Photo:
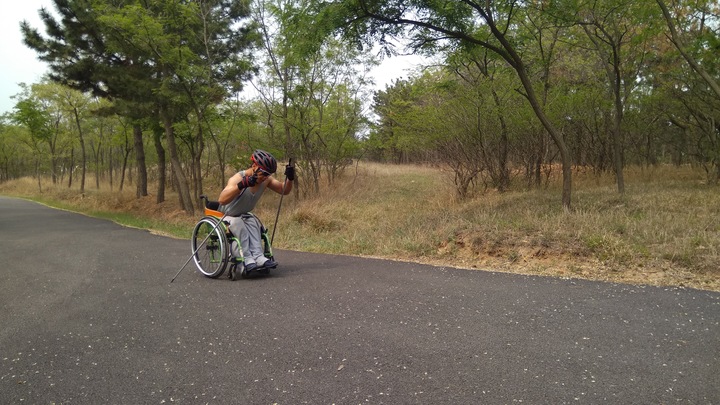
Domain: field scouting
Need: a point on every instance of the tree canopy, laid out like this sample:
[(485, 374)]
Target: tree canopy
[(520, 92)]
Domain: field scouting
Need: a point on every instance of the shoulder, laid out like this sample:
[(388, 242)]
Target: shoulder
[(236, 177)]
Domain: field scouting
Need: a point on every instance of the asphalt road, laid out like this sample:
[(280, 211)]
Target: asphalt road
[(89, 316)]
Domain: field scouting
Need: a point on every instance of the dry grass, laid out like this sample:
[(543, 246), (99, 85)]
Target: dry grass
[(664, 231)]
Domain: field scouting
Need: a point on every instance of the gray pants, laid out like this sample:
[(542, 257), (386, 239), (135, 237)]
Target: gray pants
[(247, 229)]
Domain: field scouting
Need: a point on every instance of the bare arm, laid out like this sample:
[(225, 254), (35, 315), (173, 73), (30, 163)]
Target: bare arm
[(231, 190), (277, 185)]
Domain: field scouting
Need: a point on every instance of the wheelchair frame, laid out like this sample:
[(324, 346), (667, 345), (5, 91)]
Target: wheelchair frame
[(211, 244)]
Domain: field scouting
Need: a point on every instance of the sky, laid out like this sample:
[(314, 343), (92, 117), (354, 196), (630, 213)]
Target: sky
[(19, 64)]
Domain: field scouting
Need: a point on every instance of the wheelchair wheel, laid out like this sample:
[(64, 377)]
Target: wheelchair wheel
[(210, 246)]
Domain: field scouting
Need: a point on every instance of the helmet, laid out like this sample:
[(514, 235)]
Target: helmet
[(265, 160)]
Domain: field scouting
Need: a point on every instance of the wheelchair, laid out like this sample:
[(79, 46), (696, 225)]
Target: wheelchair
[(212, 245)]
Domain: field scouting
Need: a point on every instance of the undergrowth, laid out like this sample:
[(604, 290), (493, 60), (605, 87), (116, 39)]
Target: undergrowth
[(665, 229)]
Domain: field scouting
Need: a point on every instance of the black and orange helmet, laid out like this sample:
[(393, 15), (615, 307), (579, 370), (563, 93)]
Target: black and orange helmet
[(265, 160)]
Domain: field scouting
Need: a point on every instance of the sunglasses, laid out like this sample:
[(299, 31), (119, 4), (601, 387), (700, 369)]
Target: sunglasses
[(263, 172)]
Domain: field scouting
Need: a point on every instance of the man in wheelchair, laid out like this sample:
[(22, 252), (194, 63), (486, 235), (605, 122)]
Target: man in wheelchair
[(240, 196)]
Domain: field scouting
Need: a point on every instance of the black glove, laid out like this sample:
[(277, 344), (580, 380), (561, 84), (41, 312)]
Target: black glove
[(247, 181), (290, 172)]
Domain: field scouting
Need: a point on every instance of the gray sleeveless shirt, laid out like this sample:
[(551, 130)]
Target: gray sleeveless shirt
[(243, 203)]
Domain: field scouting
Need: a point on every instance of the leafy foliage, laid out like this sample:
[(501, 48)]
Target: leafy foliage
[(518, 90)]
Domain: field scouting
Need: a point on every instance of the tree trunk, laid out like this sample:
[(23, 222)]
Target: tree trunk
[(140, 162), (614, 77), (110, 167), (182, 182), (82, 150), (554, 134), (97, 154), (197, 162), (72, 167), (37, 173), (124, 166), (504, 180), (617, 141), (157, 135), (52, 143)]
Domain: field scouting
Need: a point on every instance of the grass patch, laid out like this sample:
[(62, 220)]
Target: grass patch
[(665, 230)]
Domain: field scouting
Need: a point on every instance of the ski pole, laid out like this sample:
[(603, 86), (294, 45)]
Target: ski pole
[(272, 238)]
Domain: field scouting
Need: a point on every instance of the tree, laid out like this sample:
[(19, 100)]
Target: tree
[(703, 28), (75, 105), (13, 151), (490, 25), (479, 74), (160, 57), (78, 51), (693, 29), (621, 33), (235, 127), (312, 90), (29, 112)]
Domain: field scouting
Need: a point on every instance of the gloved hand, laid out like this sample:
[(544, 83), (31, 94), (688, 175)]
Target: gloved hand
[(247, 181), (290, 172)]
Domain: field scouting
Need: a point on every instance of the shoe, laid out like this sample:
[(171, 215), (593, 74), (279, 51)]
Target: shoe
[(250, 267), (270, 264)]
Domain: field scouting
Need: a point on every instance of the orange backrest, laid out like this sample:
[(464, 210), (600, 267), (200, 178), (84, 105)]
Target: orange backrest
[(213, 213)]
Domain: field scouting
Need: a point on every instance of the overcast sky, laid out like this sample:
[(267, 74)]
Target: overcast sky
[(19, 64)]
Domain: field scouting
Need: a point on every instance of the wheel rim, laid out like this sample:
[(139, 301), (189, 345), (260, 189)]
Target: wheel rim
[(210, 247)]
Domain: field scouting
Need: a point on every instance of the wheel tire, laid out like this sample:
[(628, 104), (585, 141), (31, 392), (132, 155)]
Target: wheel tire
[(236, 271), (210, 246)]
